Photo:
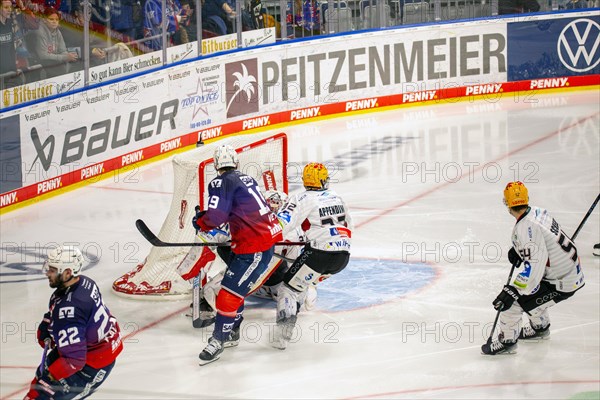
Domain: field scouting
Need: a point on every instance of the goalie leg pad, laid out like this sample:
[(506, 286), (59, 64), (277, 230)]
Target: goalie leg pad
[(197, 259), (211, 290)]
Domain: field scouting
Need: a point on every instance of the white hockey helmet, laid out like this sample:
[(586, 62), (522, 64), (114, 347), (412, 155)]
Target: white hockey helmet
[(225, 156), (275, 199), (63, 258)]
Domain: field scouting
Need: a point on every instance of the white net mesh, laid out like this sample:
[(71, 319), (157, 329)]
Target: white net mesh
[(157, 277)]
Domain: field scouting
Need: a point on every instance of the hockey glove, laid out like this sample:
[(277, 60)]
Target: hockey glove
[(43, 333), (199, 215), (513, 256), (506, 298)]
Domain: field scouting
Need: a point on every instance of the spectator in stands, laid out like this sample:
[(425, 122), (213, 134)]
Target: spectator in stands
[(153, 23), (220, 14), (121, 18), (517, 6), (48, 46), (188, 19), (575, 4), (74, 41), (24, 20), (8, 56), (39, 6)]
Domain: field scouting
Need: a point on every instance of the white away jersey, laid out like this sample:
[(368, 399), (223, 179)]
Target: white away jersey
[(547, 254), (322, 216)]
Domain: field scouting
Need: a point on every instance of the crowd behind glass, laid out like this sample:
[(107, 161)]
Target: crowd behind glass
[(42, 39)]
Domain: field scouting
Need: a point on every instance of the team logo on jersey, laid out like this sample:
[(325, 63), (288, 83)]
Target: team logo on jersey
[(66, 312), (24, 263), (578, 44), (241, 87)]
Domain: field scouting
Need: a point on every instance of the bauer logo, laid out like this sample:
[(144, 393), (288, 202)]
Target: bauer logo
[(241, 88), (91, 140), (578, 45)]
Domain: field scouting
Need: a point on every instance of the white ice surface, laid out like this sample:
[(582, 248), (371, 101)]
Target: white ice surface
[(425, 187)]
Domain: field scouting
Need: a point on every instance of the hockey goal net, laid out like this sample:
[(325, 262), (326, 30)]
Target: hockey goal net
[(262, 156)]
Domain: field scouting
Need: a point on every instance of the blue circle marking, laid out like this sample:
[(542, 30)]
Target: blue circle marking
[(367, 282), (24, 264)]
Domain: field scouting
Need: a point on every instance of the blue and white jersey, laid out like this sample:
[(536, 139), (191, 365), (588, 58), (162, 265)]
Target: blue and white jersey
[(322, 216), (547, 252), (82, 328), (236, 198)]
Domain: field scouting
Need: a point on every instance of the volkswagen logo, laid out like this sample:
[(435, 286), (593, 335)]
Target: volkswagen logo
[(578, 45)]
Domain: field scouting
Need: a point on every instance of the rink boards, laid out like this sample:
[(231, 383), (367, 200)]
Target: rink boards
[(61, 143)]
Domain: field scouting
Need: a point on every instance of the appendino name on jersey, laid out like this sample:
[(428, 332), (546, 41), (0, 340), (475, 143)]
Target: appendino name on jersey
[(331, 210)]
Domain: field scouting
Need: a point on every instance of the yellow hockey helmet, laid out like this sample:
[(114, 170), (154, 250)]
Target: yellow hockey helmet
[(315, 176), (516, 194)]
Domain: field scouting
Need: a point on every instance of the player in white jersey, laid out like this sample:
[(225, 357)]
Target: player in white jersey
[(325, 224), (551, 273)]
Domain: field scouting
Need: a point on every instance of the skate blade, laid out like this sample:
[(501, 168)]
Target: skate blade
[(504, 353), (231, 344), (535, 340), (205, 362), (279, 344)]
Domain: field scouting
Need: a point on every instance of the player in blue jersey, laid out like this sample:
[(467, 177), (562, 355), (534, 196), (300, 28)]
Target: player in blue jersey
[(235, 198), (83, 336)]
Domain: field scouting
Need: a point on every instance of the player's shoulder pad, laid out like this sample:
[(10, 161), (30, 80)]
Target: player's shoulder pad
[(216, 183), (525, 230), (303, 195), (87, 294), (327, 193)]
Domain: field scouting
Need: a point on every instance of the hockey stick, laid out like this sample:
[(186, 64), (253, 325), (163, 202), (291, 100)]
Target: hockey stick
[(586, 217), (44, 354), (516, 264), (155, 241)]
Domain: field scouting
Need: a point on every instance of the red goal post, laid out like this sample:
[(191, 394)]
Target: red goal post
[(262, 156)]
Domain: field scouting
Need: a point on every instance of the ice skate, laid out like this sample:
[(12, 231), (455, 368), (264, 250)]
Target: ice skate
[(532, 334), (498, 346), (212, 352), (233, 339)]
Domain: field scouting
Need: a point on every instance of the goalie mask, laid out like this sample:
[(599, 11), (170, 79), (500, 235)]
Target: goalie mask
[(63, 258), (516, 194), (275, 199), (315, 177), (225, 156)]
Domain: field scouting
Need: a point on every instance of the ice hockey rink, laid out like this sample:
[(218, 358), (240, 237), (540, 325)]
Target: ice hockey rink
[(407, 318)]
